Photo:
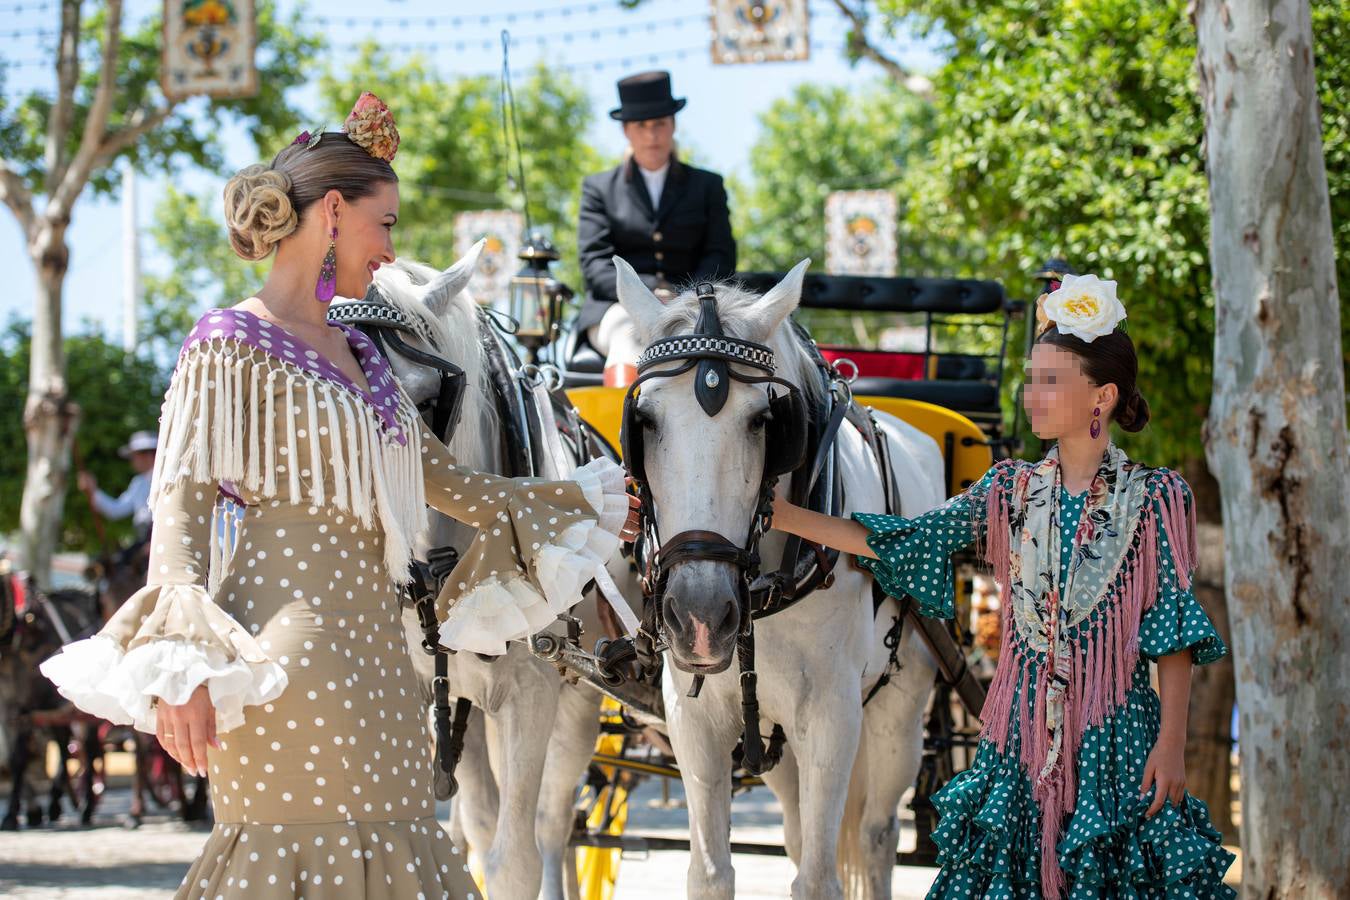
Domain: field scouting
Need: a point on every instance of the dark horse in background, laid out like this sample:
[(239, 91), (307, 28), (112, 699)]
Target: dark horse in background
[(33, 626)]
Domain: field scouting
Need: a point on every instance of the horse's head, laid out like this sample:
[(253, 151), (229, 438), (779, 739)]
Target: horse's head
[(446, 320), (704, 461), (429, 295)]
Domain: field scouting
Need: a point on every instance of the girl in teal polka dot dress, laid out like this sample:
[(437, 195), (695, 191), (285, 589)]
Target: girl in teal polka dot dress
[(1078, 788)]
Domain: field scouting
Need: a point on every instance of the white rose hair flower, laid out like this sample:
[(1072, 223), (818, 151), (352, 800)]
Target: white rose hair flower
[(1084, 306)]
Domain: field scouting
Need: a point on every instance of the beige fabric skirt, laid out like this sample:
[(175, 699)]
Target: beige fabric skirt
[(326, 791)]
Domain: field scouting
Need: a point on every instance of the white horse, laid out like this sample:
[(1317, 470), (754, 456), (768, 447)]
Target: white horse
[(816, 659), (521, 764)]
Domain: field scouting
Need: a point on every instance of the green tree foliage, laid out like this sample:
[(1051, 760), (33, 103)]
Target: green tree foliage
[(118, 393), (1331, 35), (204, 270), (186, 134), (819, 140), (1072, 128)]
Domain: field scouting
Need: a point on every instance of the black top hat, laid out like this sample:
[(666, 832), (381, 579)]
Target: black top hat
[(646, 96)]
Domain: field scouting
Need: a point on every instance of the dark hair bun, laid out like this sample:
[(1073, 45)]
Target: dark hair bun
[(1132, 414)]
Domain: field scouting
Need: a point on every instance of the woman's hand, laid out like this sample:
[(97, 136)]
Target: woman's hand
[(186, 731), (1166, 772)]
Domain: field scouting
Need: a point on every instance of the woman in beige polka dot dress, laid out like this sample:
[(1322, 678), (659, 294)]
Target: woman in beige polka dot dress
[(272, 656)]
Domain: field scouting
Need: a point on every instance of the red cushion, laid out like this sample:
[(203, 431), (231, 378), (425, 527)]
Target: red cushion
[(879, 363)]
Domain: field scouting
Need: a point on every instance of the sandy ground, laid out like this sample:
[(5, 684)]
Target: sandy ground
[(108, 862)]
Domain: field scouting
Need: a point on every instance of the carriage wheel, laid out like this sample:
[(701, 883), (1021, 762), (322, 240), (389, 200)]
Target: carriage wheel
[(938, 767)]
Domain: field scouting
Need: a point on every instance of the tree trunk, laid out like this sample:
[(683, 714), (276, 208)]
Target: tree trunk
[(1276, 441), (49, 416)]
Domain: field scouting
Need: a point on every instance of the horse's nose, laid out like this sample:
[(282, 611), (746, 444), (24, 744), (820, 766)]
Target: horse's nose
[(703, 630)]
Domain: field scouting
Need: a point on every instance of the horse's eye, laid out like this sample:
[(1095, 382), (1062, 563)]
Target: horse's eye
[(643, 420), (761, 420)]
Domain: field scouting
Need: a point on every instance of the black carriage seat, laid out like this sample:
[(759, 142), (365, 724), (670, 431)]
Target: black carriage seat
[(962, 382)]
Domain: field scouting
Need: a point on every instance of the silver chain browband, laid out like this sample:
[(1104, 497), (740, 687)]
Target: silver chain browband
[(364, 312), (730, 349)]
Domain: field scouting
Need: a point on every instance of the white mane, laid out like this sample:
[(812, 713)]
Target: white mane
[(403, 284), (736, 310)]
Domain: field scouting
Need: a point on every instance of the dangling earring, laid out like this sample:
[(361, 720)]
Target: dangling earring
[(327, 284), (1095, 429)]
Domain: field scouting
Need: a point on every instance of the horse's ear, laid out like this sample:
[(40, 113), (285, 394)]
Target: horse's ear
[(775, 306), (637, 299), (447, 285)]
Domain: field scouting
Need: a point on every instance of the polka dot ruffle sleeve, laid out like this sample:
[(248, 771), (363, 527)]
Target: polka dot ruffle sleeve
[(1177, 621), (914, 555), (539, 543), (170, 637)]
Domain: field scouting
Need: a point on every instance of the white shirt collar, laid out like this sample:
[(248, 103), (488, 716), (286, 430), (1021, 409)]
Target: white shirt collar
[(656, 182)]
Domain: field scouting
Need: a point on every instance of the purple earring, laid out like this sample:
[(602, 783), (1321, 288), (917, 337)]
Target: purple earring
[(1095, 429), (327, 284)]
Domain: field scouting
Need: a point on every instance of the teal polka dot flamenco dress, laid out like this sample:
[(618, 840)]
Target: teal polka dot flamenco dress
[(1093, 586)]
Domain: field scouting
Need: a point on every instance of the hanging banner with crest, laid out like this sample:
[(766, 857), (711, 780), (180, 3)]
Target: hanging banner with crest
[(501, 229), (208, 48), (860, 235), (757, 31)]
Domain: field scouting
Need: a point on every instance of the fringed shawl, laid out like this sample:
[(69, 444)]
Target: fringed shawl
[(258, 412), (1080, 641)]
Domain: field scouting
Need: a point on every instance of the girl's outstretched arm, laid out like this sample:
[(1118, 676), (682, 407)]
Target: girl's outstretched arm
[(845, 535)]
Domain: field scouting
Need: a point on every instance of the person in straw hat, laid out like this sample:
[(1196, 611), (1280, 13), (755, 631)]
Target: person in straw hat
[(139, 450)]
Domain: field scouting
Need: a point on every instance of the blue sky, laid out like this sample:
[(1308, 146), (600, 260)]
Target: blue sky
[(600, 41)]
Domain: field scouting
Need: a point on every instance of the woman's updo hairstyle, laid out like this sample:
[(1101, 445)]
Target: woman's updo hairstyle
[(264, 204), (1109, 359)]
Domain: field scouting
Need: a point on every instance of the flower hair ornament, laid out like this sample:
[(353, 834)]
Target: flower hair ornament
[(1084, 306), (370, 126)]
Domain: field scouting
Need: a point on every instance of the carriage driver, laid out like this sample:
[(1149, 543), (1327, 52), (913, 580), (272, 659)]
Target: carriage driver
[(135, 500), (668, 219)]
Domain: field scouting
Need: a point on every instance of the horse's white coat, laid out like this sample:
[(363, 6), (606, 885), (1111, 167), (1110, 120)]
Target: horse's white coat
[(815, 660), (524, 758)]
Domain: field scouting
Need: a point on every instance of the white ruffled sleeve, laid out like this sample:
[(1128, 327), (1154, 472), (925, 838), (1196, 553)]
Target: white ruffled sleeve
[(169, 637), (539, 544)]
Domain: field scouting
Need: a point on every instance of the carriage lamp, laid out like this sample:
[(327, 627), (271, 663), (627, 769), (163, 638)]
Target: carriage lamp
[(536, 298)]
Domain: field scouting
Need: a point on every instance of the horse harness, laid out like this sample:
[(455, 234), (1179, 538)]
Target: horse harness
[(515, 390), (790, 441), (383, 324)]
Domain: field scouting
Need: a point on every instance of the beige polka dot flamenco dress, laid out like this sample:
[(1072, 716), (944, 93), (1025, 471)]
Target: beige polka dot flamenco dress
[(322, 784)]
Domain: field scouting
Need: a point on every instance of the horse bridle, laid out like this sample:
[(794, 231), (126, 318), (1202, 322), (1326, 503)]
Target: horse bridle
[(384, 324), (712, 354)]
